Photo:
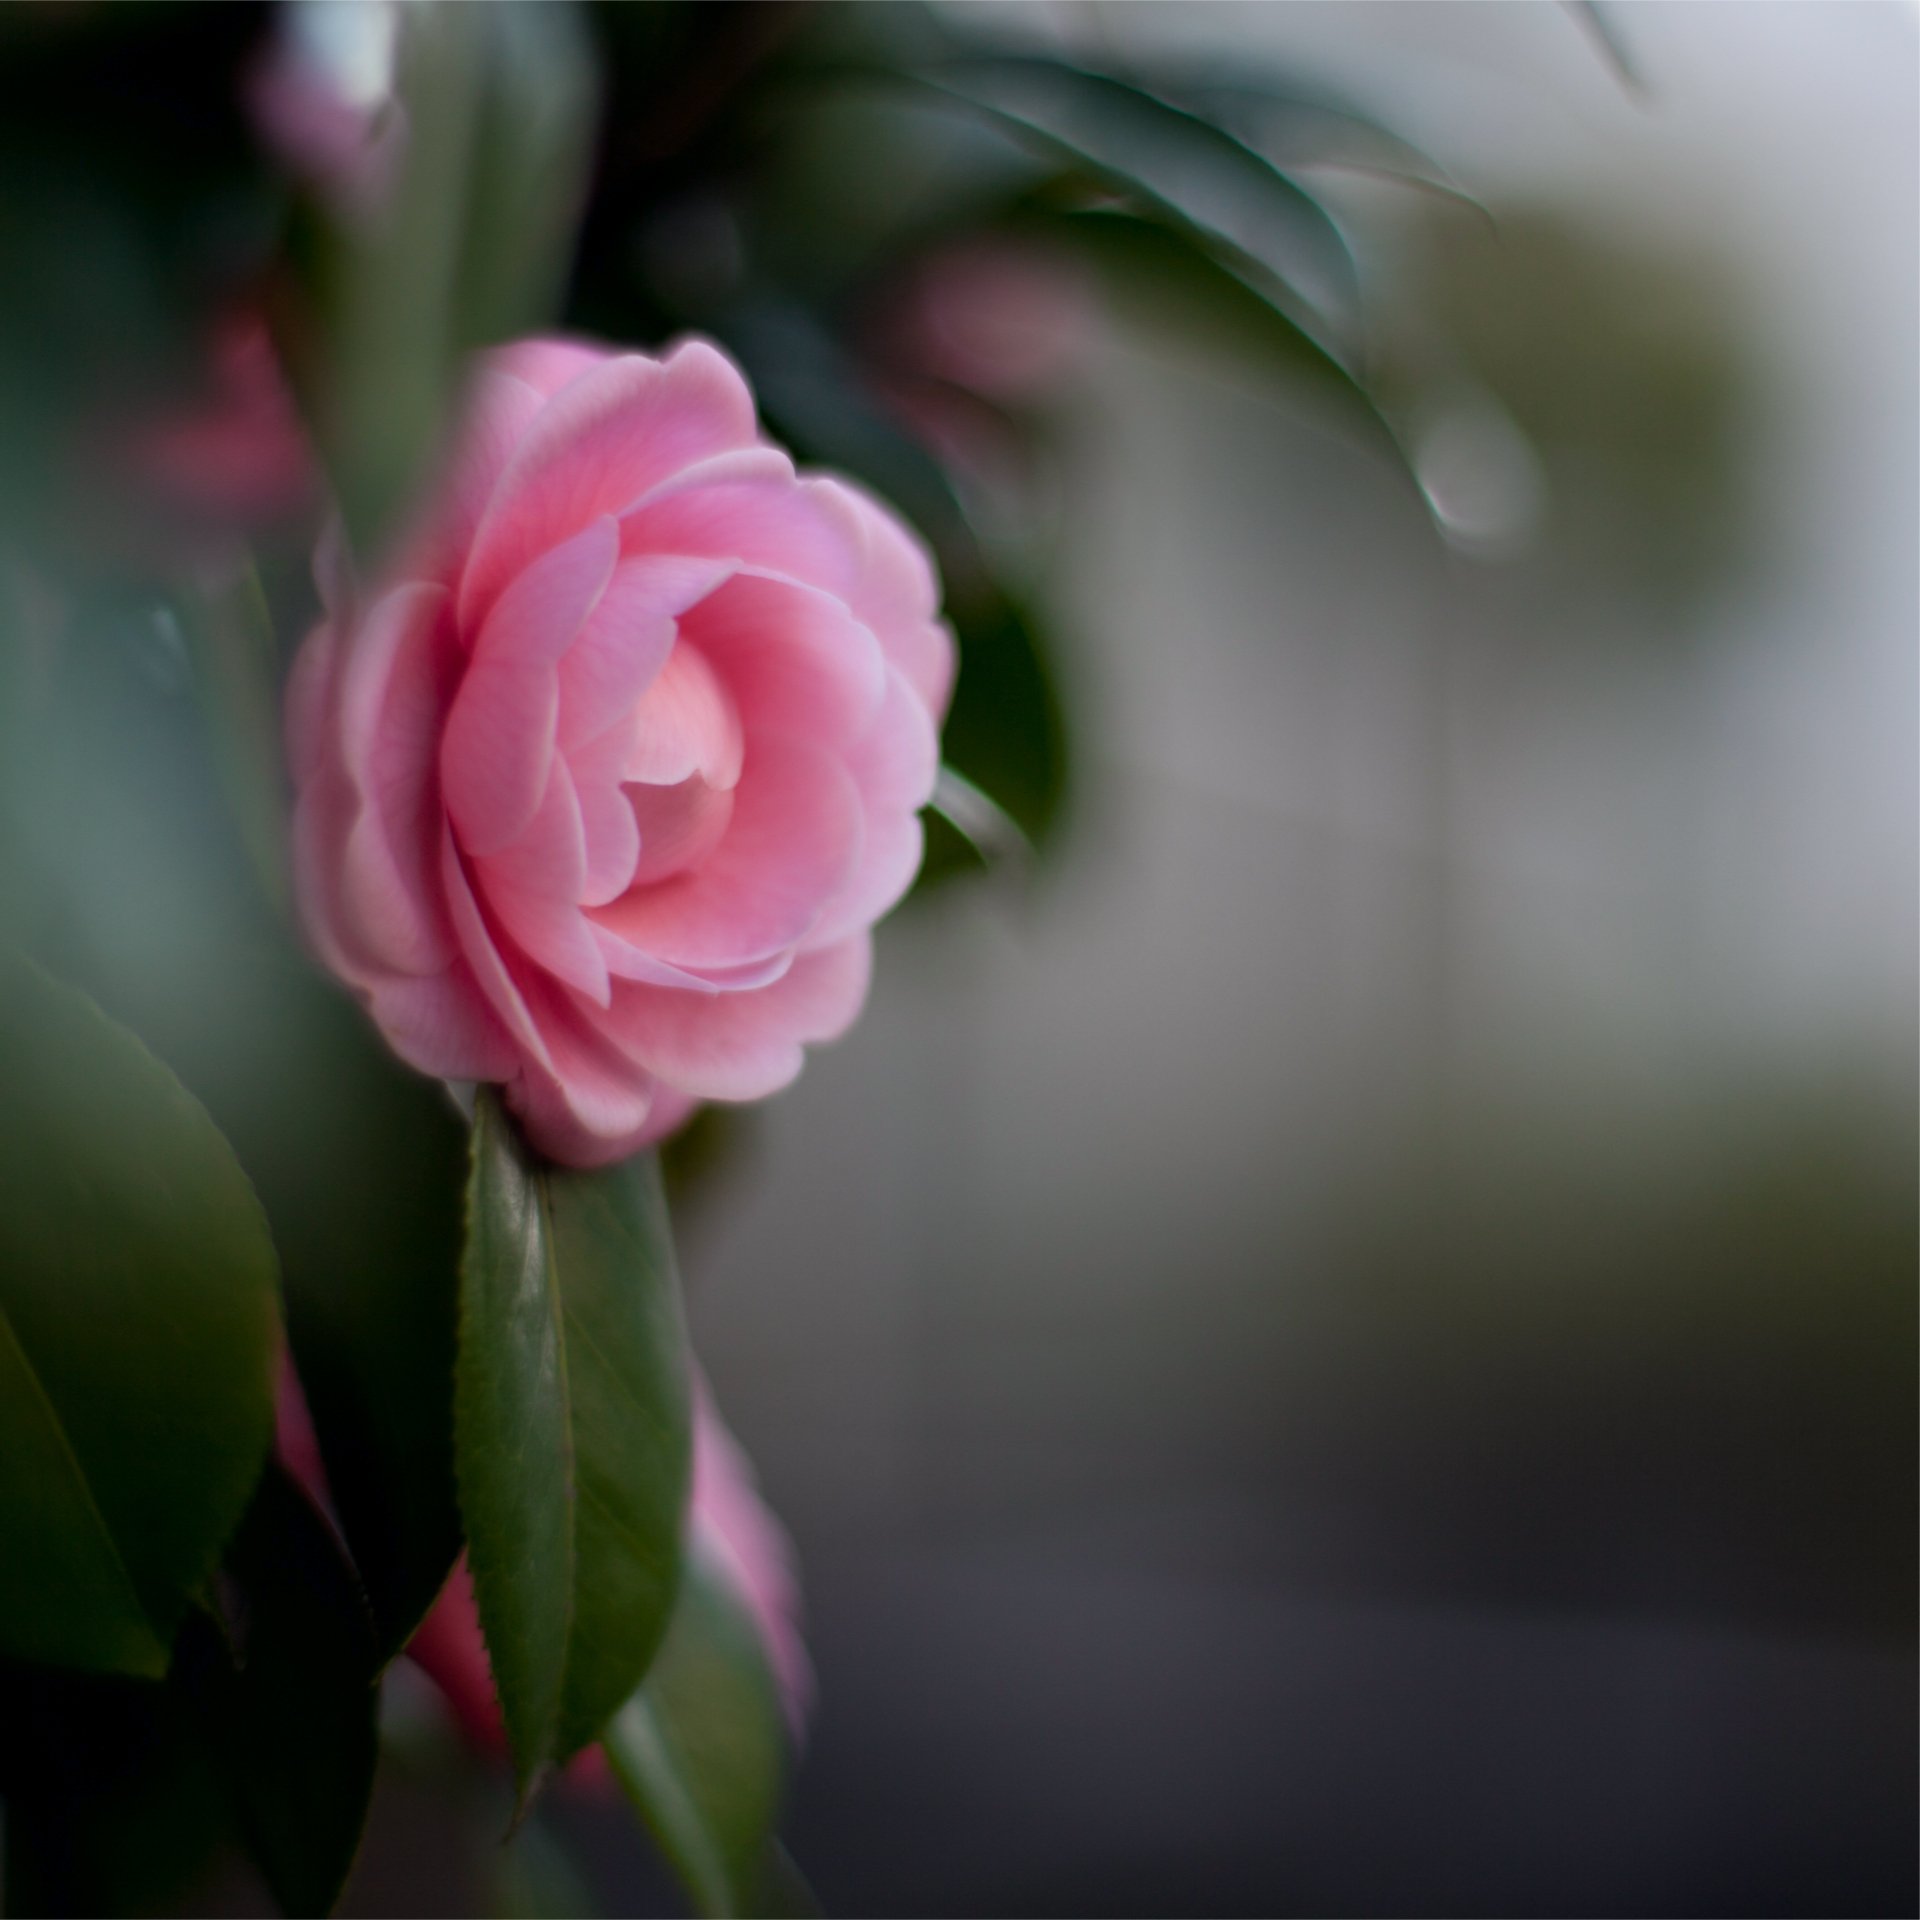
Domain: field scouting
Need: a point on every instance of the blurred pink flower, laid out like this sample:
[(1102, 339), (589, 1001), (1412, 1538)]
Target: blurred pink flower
[(197, 468), (999, 318), (602, 786)]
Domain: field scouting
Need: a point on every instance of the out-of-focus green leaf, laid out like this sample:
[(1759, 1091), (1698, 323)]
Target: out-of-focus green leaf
[(287, 1687), (701, 1749), (139, 1332), (1007, 730), (236, 670), (572, 1416), (132, 880), (1171, 273), (467, 243), (1175, 156)]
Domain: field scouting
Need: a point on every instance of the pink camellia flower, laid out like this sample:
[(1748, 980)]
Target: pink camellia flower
[(602, 786), (727, 1521)]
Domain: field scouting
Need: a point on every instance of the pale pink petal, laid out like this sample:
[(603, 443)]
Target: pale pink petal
[(742, 1046), (793, 841), (394, 686), (678, 826), (497, 753), (548, 362), (685, 724), (499, 410), (611, 834), (763, 523), (598, 445), (627, 638), (733, 1526), (484, 958), (896, 591), (894, 766), (533, 888), (441, 1024), (793, 658)]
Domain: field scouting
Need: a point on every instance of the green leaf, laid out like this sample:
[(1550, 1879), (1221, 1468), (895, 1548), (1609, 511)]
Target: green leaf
[(1175, 273), (287, 1686), (1166, 153), (132, 878), (229, 634), (139, 1333), (572, 1412), (468, 244), (701, 1750)]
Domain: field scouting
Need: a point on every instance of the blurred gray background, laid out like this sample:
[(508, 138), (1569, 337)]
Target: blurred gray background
[(1351, 1348)]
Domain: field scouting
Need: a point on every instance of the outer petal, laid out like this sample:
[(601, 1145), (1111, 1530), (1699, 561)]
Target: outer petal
[(894, 766), (897, 591), (741, 1046), (597, 446), (394, 684)]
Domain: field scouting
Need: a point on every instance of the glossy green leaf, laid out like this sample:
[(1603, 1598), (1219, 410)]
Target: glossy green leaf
[(139, 1332), (572, 1434), (701, 1749), (287, 1687)]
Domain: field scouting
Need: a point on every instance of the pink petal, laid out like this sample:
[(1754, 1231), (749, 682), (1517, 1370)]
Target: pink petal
[(484, 958), (498, 411), (793, 841), (394, 686), (589, 1106), (896, 591), (533, 888), (440, 1023), (767, 523), (678, 826), (627, 638), (548, 361), (611, 833), (598, 445), (685, 724), (729, 1522), (498, 748), (741, 1046), (793, 658)]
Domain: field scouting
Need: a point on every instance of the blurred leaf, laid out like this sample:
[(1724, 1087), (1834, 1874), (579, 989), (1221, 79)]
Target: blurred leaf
[(1007, 731), (1172, 273), (467, 245), (1169, 154), (288, 1690), (230, 640), (134, 880), (572, 1434), (139, 1332), (701, 1749)]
